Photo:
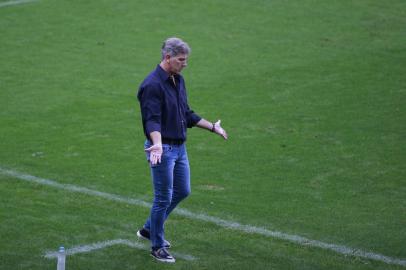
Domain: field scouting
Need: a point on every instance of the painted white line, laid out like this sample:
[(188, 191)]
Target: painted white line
[(218, 221), (73, 188), (16, 2), (100, 245)]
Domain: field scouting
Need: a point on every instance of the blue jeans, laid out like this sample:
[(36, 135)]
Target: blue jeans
[(171, 181)]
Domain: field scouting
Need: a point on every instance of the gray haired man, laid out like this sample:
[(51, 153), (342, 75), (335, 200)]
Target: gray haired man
[(166, 116)]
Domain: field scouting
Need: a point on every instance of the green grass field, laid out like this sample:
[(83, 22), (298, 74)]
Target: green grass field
[(312, 94)]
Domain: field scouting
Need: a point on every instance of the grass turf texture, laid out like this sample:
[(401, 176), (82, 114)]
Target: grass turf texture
[(312, 94)]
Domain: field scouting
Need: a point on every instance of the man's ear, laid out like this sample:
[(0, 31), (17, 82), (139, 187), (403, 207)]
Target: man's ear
[(167, 58)]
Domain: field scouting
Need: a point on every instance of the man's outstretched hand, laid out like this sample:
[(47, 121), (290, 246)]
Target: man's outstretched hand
[(219, 130)]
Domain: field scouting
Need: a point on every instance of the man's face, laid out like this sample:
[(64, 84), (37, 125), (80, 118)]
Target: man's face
[(177, 63)]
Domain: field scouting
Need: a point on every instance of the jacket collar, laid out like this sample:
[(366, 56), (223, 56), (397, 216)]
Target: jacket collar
[(163, 74)]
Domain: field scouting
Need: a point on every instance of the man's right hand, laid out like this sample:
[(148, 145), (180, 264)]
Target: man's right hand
[(155, 153)]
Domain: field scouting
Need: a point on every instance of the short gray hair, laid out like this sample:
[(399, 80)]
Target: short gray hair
[(174, 46)]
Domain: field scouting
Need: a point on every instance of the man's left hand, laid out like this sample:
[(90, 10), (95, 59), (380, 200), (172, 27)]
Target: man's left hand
[(219, 130)]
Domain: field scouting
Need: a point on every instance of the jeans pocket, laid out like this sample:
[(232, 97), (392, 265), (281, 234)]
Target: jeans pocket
[(166, 148)]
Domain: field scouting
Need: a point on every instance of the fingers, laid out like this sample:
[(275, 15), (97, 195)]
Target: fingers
[(224, 134), (152, 159), (155, 157), (155, 147), (155, 153), (219, 130)]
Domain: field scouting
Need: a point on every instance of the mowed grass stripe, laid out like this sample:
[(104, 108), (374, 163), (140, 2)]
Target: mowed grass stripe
[(14, 3), (220, 222)]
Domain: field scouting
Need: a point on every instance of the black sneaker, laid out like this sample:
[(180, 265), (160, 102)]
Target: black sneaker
[(144, 234), (162, 255)]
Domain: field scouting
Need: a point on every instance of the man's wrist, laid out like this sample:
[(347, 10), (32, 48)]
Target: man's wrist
[(213, 128)]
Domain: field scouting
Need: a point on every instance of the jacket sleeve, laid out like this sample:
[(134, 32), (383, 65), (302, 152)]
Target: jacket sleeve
[(191, 117), (150, 98)]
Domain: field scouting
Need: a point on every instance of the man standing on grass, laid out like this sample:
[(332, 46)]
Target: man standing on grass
[(165, 117)]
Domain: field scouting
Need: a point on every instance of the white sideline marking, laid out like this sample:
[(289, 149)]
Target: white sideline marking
[(16, 2), (109, 243), (218, 221)]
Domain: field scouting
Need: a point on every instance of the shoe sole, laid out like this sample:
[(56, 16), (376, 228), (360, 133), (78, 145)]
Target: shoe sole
[(140, 236), (164, 260)]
